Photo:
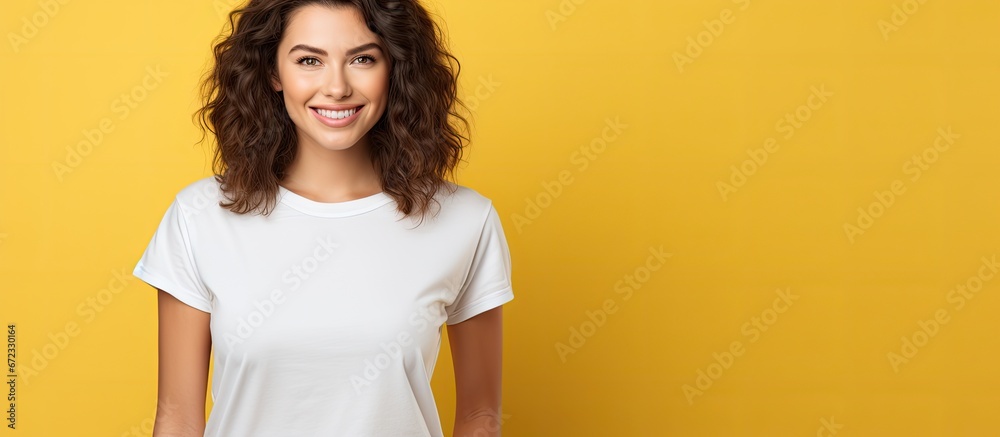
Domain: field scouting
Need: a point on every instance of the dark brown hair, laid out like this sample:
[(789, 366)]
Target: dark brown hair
[(414, 146)]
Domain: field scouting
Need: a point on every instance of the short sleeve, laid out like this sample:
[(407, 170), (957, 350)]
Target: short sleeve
[(168, 262), (488, 283)]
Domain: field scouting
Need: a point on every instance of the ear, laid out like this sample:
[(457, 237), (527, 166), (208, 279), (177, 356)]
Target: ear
[(275, 83)]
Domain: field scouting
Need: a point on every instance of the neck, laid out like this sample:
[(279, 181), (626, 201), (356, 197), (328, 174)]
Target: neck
[(326, 175)]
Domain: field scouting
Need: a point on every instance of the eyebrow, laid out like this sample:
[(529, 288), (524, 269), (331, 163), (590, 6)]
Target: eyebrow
[(322, 52)]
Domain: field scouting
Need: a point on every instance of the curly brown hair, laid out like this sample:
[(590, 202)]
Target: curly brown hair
[(414, 146)]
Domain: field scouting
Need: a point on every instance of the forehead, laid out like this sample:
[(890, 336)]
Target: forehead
[(327, 27)]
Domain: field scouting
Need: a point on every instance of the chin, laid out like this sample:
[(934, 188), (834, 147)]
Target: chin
[(337, 143)]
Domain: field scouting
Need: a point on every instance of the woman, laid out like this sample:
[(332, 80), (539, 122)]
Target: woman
[(323, 256)]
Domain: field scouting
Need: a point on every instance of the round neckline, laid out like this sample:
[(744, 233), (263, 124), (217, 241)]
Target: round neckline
[(346, 208)]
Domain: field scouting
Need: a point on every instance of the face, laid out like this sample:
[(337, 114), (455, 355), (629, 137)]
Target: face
[(329, 63)]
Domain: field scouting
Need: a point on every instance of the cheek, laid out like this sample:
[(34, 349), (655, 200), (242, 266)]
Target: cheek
[(374, 86), (299, 87), (295, 84)]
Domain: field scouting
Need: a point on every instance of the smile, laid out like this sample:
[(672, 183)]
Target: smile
[(336, 118), (337, 115)]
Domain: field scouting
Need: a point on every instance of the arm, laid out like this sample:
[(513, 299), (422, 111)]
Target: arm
[(476, 349), (184, 352)]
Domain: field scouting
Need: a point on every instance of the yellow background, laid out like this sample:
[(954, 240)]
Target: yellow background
[(560, 70)]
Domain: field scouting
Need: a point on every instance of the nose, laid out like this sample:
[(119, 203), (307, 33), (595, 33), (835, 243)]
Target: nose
[(336, 84)]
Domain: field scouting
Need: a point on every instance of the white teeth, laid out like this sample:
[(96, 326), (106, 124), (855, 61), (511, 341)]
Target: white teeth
[(337, 115)]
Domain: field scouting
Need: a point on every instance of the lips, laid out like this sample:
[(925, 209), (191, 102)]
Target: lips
[(337, 108), (337, 122)]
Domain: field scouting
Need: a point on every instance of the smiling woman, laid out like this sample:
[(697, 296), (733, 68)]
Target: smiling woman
[(299, 65), (342, 88), (324, 311)]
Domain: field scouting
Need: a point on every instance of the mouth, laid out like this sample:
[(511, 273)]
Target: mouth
[(336, 115)]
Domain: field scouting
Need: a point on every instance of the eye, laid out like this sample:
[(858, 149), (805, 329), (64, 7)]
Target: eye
[(371, 59), (304, 58)]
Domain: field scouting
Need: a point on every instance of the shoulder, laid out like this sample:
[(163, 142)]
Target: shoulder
[(462, 200), (199, 195)]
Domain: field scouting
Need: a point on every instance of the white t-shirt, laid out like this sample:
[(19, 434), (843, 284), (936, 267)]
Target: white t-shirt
[(326, 318)]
